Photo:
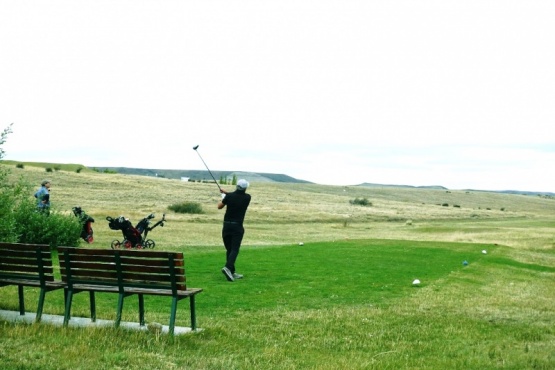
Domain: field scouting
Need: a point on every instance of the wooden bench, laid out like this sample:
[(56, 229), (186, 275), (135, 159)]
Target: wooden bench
[(28, 265), (126, 273)]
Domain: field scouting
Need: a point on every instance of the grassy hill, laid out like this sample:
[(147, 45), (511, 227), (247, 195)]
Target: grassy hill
[(193, 175), (290, 212), (204, 176), (199, 175)]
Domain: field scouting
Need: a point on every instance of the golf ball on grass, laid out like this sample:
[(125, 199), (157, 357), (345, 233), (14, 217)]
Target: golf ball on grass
[(301, 243), (484, 251), (416, 282)]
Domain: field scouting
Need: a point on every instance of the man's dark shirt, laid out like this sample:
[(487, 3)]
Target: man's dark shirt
[(237, 203)]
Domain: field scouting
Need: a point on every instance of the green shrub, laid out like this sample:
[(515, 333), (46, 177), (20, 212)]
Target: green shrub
[(186, 207), (20, 165), (48, 169), (20, 222), (79, 169), (54, 229), (12, 197), (361, 202)]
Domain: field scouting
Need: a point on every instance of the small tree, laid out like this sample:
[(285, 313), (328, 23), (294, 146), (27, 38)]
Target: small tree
[(3, 137), (20, 222)]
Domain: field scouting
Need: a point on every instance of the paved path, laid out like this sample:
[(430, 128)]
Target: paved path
[(29, 317)]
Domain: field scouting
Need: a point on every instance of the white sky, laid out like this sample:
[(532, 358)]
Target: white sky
[(415, 92)]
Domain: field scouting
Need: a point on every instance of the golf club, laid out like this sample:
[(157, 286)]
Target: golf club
[(205, 165)]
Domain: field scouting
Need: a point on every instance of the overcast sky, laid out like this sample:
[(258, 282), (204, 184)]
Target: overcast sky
[(452, 93)]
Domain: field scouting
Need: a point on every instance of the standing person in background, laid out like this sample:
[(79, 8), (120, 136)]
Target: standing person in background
[(237, 203), (43, 196)]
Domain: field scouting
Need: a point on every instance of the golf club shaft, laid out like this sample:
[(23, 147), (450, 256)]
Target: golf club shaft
[(210, 172)]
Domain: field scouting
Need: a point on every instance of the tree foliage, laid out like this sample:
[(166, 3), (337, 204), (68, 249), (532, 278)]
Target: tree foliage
[(20, 221)]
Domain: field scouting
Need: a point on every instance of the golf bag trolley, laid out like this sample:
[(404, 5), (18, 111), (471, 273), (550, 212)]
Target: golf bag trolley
[(86, 221), (134, 237)]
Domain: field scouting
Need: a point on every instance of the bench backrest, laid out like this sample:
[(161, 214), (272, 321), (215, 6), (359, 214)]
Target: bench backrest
[(122, 268), (26, 261)]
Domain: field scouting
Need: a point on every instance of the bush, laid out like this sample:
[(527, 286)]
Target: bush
[(361, 202), (12, 197), (186, 207), (20, 222), (48, 169), (20, 165), (54, 229)]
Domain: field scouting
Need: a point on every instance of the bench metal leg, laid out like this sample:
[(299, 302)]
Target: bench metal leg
[(92, 301), (120, 309), (21, 300), (41, 304), (67, 312), (172, 315), (141, 310), (193, 313)]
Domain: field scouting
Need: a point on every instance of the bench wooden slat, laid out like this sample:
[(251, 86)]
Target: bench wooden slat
[(124, 252), (124, 260), (26, 269), (26, 277), (145, 269), (31, 283), (132, 290)]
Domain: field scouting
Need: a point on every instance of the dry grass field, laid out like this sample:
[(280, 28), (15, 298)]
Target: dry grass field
[(282, 213)]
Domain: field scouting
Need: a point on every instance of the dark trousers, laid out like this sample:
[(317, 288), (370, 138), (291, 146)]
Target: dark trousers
[(232, 235)]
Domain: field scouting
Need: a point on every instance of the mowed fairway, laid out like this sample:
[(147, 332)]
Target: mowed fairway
[(343, 300)]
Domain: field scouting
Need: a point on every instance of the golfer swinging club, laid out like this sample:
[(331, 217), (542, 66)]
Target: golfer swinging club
[(237, 203)]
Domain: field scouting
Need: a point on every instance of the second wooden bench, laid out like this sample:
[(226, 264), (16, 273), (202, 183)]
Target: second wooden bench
[(126, 273)]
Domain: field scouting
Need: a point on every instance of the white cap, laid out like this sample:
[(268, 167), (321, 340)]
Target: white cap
[(242, 184)]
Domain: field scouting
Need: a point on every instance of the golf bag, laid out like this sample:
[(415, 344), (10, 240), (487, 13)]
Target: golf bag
[(86, 221), (134, 237)]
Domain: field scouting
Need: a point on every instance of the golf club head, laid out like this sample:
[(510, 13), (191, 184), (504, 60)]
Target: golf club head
[(195, 147)]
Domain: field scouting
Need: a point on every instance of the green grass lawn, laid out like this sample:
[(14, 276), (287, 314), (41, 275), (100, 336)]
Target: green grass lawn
[(333, 305), (318, 275)]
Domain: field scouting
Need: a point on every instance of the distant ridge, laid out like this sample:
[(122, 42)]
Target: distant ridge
[(439, 187), (371, 185), (199, 175), (520, 192)]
